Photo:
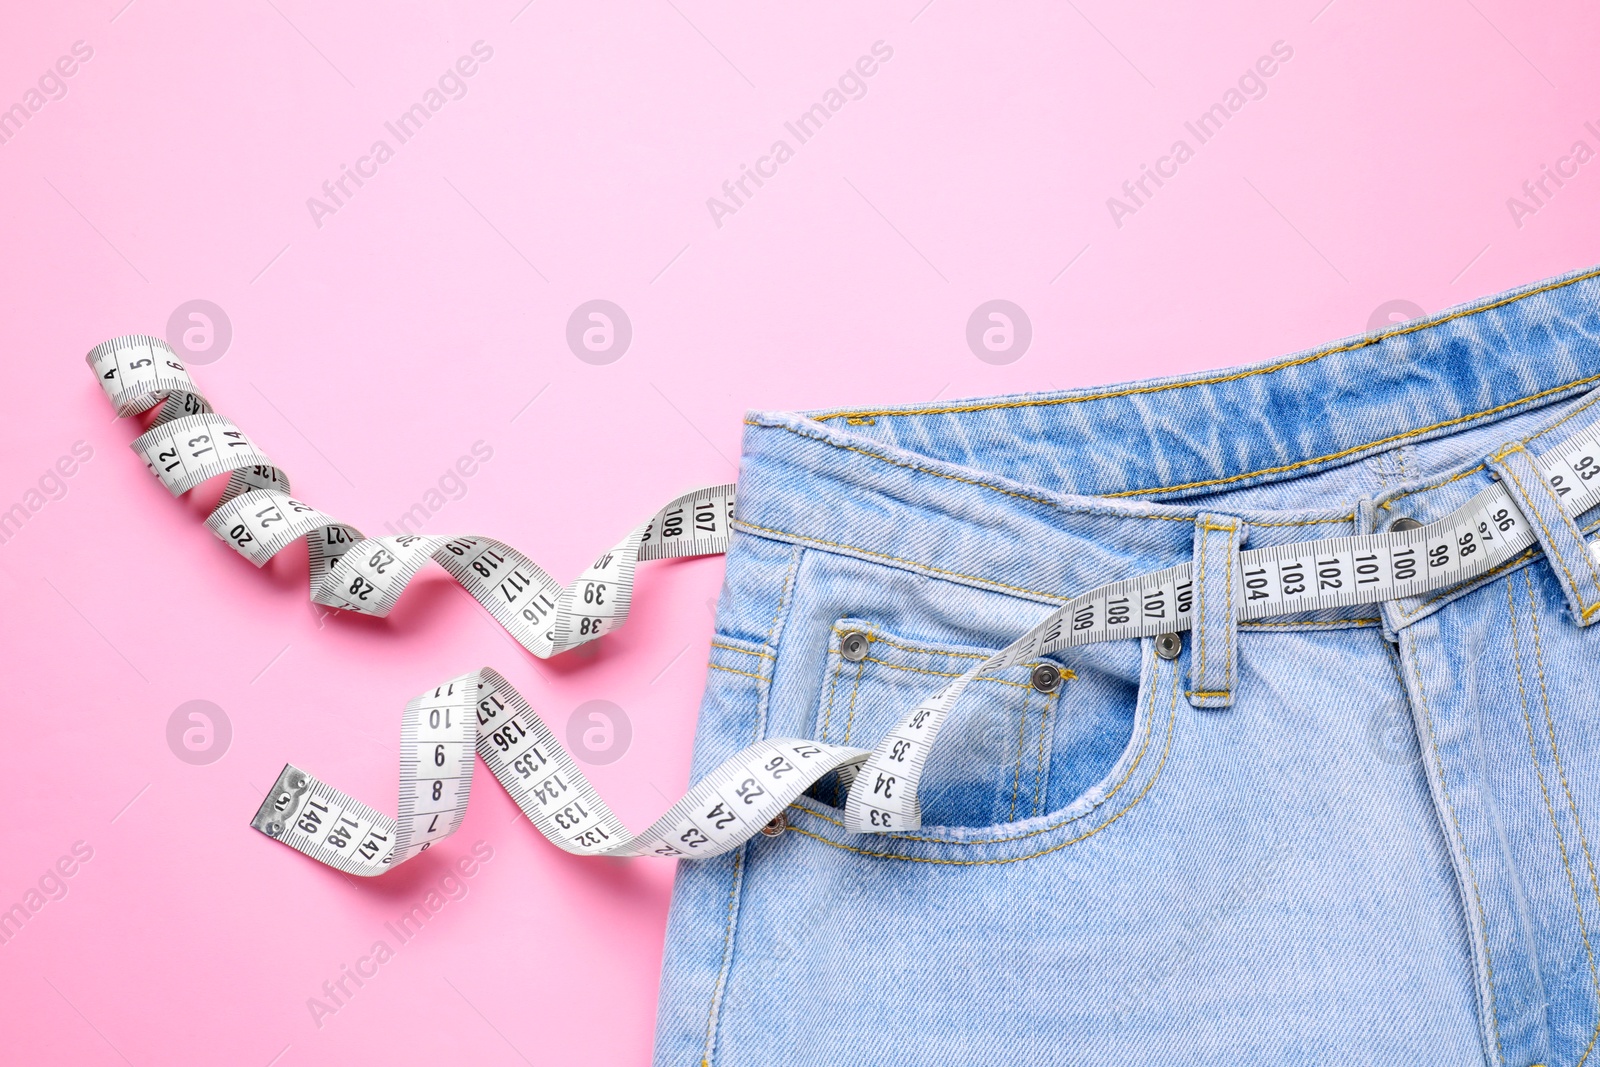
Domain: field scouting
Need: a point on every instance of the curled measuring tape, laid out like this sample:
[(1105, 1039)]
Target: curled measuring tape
[(438, 733), (187, 443)]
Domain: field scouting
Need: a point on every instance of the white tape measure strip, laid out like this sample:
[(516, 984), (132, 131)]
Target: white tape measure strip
[(438, 733), (1303, 576), (188, 443)]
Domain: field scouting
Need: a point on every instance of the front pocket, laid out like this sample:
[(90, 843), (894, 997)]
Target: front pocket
[(992, 760)]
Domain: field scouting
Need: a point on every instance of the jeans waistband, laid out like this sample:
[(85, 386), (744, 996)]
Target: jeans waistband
[(1048, 494)]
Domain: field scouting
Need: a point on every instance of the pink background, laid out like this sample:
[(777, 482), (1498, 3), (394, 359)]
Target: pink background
[(421, 317)]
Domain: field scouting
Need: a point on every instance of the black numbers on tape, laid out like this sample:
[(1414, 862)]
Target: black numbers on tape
[(1292, 577), (507, 737), (1404, 563), (1256, 583)]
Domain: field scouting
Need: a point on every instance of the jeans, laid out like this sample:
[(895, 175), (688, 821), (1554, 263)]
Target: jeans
[(1360, 836)]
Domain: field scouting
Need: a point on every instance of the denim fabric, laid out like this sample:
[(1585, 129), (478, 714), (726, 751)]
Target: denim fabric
[(1382, 852)]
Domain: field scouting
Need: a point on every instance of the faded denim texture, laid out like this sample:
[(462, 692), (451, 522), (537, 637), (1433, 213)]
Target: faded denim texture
[(1364, 836)]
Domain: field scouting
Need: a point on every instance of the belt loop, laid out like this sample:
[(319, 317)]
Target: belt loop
[(1563, 543), (1213, 670)]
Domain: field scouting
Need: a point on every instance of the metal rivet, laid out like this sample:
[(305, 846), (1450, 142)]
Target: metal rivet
[(1046, 677), (778, 825), (274, 829), (1169, 645), (1403, 524), (853, 646)]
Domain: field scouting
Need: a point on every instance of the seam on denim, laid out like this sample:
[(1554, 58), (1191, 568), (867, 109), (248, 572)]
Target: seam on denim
[(950, 674), (1271, 368), (746, 651), (1348, 452), (1572, 527), (1022, 742), (730, 670), (1307, 522), (939, 650), (713, 1014), (1039, 765), (783, 598), (1471, 586), (1566, 788), (1346, 623), (1231, 665), (898, 559), (1199, 675), (1144, 743), (873, 637), (833, 686), (1572, 583), (727, 958), (1057, 505), (1574, 413), (1172, 723), (1477, 894), (1207, 692), (1469, 472), (1544, 789), (855, 689)]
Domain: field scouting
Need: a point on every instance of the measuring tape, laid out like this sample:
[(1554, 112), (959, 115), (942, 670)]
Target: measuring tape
[(188, 443)]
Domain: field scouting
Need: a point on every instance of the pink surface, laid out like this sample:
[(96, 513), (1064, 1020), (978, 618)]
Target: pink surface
[(375, 343)]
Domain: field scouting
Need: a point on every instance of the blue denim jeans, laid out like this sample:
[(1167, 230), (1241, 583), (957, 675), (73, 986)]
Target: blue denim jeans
[(1365, 836)]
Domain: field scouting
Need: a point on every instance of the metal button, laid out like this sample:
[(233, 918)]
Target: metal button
[(778, 825), (1046, 677), (1169, 645), (1403, 524), (853, 646)]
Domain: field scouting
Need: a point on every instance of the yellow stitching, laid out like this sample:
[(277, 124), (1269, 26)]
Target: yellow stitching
[(1307, 522), (952, 674), (1550, 726), (934, 650), (788, 584), (746, 651), (1477, 894), (1207, 693), (1200, 591), (1550, 809), (730, 670), (1358, 448), (1144, 743), (1472, 585), (1186, 485), (1424, 488), (1271, 368), (1038, 772), (1308, 622), (855, 689), (1022, 739), (727, 938), (833, 685), (1172, 723), (1574, 413), (1227, 627), (1562, 511), (893, 462), (1572, 583), (910, 563)]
